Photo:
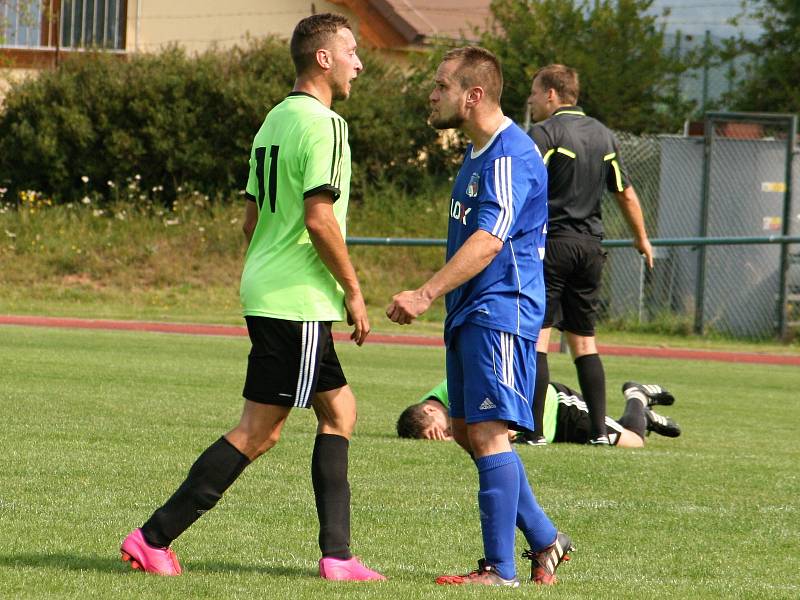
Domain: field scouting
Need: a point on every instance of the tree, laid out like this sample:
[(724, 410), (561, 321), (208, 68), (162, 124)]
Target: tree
[(628, 78), (771, 82)]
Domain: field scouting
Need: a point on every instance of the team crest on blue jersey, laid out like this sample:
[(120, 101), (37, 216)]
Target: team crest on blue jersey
[(472, 186)]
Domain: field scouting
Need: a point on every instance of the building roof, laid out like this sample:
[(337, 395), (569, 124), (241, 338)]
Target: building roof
[(397, 23)]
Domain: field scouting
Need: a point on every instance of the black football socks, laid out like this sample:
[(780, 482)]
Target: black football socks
[(332, 494), (211, 474), (540, 393), (592, 380), (634, 417)]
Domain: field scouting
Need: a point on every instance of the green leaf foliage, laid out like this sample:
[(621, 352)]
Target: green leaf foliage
[(771, 82), (628, 79), (170, 118), (181, 121)]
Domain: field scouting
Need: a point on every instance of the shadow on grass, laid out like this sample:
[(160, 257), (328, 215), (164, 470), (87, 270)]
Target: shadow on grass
[(104, 564)]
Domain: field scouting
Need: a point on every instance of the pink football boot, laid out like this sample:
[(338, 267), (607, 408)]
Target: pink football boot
[(144, 557), (337, 569)]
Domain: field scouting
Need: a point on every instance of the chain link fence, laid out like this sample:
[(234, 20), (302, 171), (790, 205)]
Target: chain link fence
[(741, 286), (726, 237)]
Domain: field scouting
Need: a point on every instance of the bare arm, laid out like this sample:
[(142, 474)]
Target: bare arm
[(323, 229), (632, 210), (472, 258), (250, 220)]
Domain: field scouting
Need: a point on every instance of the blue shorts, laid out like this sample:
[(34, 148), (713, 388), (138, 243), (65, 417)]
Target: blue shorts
[(490, 376)]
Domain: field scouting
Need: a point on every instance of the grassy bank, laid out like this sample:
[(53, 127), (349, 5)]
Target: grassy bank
[(144, 261)]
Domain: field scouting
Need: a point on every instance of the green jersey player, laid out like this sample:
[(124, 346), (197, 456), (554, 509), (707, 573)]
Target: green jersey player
[(297, 279)]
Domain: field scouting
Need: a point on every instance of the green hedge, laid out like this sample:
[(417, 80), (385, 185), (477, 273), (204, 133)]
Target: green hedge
[(181, 122)]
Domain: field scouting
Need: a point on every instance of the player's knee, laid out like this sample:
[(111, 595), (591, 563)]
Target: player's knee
[(270, 441), (338, 422), (344, 425), (253, 444)]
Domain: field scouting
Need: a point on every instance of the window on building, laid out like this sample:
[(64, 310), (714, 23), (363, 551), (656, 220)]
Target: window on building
[(20, 24), (92, 23), (77, 23)]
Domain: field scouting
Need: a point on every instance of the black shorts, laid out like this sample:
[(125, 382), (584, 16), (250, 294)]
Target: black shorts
[(573, 265), (289, 361), (573, 425)]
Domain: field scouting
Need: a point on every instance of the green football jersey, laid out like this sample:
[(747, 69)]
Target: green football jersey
[(300, 150), (439, 392)]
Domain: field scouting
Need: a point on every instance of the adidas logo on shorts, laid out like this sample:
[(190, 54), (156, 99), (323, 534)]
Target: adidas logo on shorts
[(487, 405)]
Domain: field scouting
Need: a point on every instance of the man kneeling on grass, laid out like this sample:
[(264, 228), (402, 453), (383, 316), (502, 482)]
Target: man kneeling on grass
[(566, 417)]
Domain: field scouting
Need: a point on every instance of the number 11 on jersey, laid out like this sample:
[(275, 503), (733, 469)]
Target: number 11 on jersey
[(272, 183)]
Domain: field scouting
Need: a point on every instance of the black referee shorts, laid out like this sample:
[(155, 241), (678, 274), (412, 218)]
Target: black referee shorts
[(289, 361), (573, 266)]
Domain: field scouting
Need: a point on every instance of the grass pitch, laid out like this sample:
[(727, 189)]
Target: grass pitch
[(100, 427)]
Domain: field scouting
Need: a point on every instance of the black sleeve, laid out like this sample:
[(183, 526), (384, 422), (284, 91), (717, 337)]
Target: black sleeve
[(542, 139), (321, 189)]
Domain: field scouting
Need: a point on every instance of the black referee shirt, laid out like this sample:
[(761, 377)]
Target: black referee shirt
[(582, 158)]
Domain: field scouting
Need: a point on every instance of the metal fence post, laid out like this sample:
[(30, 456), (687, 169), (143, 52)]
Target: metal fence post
[(700, 286), (791, 135)]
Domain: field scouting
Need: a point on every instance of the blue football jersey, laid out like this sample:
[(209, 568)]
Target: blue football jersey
[(501, 189)]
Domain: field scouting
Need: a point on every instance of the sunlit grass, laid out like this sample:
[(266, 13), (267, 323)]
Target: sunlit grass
[(100, 427)]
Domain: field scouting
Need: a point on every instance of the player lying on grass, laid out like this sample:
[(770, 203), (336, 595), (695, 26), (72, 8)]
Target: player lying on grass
[(566, 416)]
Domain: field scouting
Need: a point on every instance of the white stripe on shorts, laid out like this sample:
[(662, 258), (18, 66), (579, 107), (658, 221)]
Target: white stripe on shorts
[(507, 354), (308, 357)]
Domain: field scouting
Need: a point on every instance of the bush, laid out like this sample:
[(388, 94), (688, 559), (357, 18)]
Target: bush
[(188, 122), (168, 117)]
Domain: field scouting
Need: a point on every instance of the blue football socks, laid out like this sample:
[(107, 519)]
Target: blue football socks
[(497, 500), (535, 525)]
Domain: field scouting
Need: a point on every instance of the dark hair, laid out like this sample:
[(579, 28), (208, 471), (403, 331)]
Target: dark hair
[(412, 421), (562, 79), (311, 34), (479, 67)]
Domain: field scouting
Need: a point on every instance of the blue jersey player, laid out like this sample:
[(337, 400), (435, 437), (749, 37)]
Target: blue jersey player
[(495, 304)]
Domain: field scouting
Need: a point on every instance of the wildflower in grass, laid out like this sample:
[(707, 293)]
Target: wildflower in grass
[(86, 200), (169, 222), (98, 212), (11, 234), (84, 178), (110, 183), (137, 177)]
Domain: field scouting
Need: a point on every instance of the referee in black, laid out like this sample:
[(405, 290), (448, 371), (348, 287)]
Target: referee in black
[(582, 158)]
